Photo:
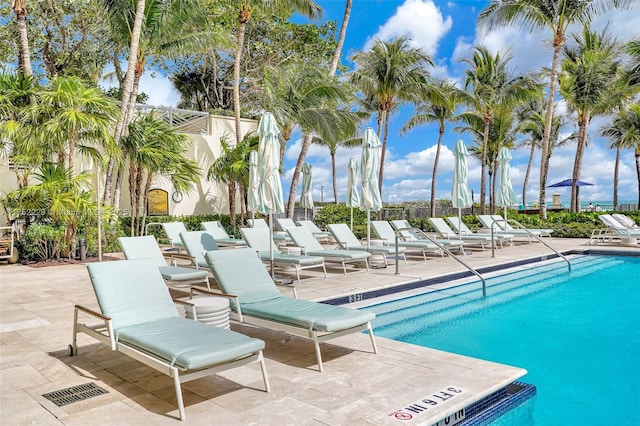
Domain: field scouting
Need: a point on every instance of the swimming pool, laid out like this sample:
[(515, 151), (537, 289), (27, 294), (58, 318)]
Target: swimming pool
[(576, 334)]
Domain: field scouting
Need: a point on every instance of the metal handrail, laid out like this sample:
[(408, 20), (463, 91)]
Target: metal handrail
[(531, 234), (398, 232)]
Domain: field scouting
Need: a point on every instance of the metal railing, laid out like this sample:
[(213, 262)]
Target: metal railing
[(184, 120), (443, 248), (529, 233)]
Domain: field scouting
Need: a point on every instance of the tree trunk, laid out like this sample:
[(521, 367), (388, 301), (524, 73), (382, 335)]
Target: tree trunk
[(20, 9), (435, 170), (493, 177), (637, 155), (583, 122), (306, 143), (242, 25), (333, 177), (526, 175), (383, 150), (232, 203), (145, 199), (72, 148), (341, 37), (483, 170), (558, 42), (615, 177), (126, 94)]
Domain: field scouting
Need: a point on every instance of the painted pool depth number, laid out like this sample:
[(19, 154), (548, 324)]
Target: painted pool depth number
[(355, 297), (428, 403)]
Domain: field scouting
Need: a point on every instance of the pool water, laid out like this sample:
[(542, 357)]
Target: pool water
[(576, 334)]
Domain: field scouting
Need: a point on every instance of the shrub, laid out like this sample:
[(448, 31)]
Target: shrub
[(42, 242)]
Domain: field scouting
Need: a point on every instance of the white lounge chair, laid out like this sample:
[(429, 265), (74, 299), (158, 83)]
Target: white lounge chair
[(444, 231), (626, 235), (348, 241), (304, 239), (410, 235), (146, 247), (256, 300), (172, 230), (322, 236), (220, 234), (625, 220), (196, 243), (138, 318), (498, 226), (260, 240), (544, 232), (280, 237), (385, 232), (463, 229)]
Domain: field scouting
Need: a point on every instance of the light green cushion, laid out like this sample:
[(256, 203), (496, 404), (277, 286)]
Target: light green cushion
[(345, 254), (145, 247), (176, 273), (292, 259)]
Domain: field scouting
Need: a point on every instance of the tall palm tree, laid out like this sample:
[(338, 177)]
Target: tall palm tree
[(493, 86), (388, 75), (593, 82), (247, 7), (343, 33), (439, 106), (633, 49), (24, 57), (333, 146), (624, 132), (557, 16)]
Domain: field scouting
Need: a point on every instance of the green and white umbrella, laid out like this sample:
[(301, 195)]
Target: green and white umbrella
[(306, 199), (369, 167), (253, 192), (353, 197), (506, 195), (269, 186), (460, 195)]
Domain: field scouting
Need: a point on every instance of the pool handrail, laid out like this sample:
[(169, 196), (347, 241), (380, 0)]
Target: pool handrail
[(422, 234), (521, 226)]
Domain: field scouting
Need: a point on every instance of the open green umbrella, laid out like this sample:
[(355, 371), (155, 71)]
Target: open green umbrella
[(353, 198), (306, 200), (253, 192), (269, 186), (460, 195), (506, 195), (369, 167)]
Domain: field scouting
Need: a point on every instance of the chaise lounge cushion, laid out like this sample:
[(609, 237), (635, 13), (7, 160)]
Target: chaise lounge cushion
[(188, 344), (177, 273)]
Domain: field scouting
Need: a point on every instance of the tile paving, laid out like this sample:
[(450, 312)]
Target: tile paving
[(356, 388)]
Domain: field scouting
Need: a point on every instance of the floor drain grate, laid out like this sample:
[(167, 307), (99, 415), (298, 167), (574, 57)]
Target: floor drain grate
[(74, 394)]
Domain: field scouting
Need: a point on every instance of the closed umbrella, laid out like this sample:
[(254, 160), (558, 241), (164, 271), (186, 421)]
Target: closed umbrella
[(306, 200), (253, 192), (506, 195), (353, 198), (369, 166), (269, 186), (460, 195)]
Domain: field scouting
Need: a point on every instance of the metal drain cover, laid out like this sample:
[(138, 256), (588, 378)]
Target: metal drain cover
[(74, 394)]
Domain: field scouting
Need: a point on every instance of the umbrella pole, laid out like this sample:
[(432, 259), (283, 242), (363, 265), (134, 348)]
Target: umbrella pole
[(368, 229), (352, 218), (271, 245), (305, 213), (459, 222)]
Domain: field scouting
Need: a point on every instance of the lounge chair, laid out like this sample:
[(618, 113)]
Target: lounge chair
[(322, 236), (348, 241), (411, 235), (544, 232), (385, 232), (139, 319), (279, 237), (285, 223), (146, 247), (220, 234), (625, 220), (444, 231), (488, 221), (172, 230), (463, 229), (304, 239), (196, 243), (628, 236), (260, 240), (256, 300)]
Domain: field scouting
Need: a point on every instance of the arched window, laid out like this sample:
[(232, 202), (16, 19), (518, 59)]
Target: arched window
[(158, 202)]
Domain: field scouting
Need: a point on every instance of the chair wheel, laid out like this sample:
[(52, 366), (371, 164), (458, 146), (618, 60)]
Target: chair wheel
[(71, 351)]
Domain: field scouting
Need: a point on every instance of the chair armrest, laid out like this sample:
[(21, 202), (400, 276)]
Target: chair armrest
[(233, 297), (92, 312)]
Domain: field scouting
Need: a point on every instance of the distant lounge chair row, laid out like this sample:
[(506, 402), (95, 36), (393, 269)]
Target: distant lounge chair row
[(619, 229)]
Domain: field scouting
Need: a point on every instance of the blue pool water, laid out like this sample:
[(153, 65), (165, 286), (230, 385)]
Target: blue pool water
[(576, 334)]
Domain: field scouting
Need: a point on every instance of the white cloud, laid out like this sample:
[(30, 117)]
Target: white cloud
[(158, 88), (421, 20)]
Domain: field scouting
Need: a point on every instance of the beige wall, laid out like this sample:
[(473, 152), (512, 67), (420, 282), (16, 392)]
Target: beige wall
[(207, 198)]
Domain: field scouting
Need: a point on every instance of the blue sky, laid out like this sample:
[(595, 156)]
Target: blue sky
[(447, 31)]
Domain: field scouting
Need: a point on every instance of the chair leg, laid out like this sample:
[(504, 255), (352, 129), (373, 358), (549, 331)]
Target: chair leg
[(344, 267), (176, 383), (318, 354), (324, 269), (208, 284), (373, 339), (263, 367)]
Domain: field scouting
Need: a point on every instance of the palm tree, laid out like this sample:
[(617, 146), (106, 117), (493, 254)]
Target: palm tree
[(333, 146), (593, 82), (24, 57), (388, 75), (557, 16), (439, 106), (624, 132), (343, 33), (493, 86), (633, 49), (76, 117), (247, 7), (153, 148)]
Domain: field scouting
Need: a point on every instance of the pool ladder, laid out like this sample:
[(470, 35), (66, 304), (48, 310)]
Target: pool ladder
[(531, 234), (443, 248)]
